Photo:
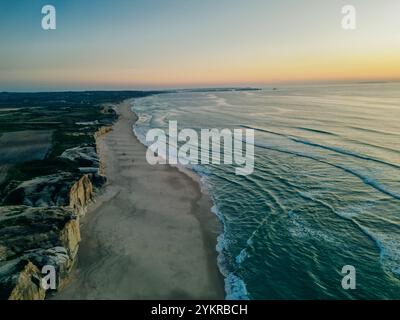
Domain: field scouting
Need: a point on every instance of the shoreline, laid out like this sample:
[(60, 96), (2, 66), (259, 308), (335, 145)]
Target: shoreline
[(133, 248)]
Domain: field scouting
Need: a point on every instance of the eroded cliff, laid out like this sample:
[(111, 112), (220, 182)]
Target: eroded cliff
[(39, 224), (32, 238)]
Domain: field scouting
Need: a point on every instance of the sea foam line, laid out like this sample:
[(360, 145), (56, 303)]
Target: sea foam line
[(235, 287), (388, 245), (365, 179)]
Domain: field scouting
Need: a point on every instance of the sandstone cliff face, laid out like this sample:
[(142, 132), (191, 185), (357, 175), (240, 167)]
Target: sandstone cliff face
[(83, 191), (32, 238), (102, 131), (27, 284), (25, 228), (21, 277), (70, 236), (81, 195)]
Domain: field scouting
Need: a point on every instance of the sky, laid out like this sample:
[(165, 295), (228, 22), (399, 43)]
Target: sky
[(145, 44)]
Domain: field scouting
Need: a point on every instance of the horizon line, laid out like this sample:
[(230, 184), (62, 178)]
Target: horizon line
[(200, 87)]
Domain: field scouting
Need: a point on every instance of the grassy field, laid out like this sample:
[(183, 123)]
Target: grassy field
[(22, 146)]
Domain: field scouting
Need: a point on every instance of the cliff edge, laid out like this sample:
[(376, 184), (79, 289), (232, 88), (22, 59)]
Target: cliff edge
[(40, 224)]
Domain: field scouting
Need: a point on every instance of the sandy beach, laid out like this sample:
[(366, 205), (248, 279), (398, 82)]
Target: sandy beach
[(150, 234)]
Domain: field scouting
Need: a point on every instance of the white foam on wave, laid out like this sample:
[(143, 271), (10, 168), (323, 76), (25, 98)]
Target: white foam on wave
[(242, 256), (159, 121), (235, 287), (219, 101), (375, 184), (388, 243), (140, 135), (300, 229), (244, 253), (352, 211), (389, 246)]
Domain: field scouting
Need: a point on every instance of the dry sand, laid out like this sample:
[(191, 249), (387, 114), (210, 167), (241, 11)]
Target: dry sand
[(150, 234)]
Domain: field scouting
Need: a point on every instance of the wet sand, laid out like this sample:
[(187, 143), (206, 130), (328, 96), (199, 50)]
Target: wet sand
[(150, 234)]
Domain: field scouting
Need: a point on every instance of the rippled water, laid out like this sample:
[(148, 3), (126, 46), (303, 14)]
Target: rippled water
[(325, 191)]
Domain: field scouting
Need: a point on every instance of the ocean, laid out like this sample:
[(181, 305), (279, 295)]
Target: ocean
[(325, 191)]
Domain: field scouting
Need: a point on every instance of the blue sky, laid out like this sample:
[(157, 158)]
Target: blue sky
[(126, 44)]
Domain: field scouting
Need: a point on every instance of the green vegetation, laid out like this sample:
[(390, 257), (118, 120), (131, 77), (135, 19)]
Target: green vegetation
[(73, 117), (56, 100), (31, 169)]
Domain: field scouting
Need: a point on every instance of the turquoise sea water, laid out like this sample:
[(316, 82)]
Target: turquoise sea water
[(325, 191)]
